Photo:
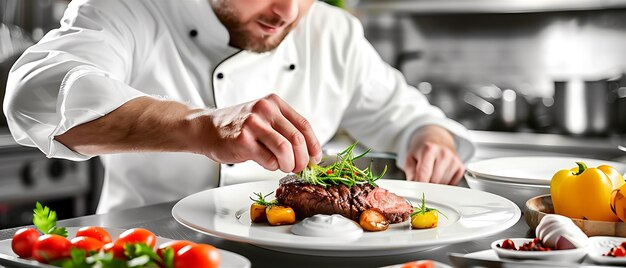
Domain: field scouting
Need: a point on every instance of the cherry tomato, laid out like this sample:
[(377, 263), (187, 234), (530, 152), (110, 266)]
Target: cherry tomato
[(175, 245), (23, 240), (199, 256), (88, 244), (51, 247), (137, 235), (95, 232), (116, 248)]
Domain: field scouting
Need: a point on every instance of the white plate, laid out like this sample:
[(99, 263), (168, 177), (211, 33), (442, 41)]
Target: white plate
[(599, 245), (519, 193), (531, 169), (565, 255), (9, 259), (224, 212)]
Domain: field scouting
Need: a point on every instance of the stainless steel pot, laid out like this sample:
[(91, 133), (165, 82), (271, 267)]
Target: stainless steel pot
[(582, 107), (617, 87)]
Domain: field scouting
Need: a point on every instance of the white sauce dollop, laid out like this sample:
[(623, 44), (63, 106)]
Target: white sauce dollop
[(560, 232), (335, 226)]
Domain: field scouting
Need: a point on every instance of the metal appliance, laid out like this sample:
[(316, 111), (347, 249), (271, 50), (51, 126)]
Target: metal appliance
[(27, 176)]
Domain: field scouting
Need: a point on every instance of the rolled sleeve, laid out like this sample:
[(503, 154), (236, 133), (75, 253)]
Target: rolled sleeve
[(85, 95), (74, 75)]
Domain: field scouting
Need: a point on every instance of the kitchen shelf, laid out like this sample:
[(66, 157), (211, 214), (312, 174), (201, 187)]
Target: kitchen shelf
[(485, 6)]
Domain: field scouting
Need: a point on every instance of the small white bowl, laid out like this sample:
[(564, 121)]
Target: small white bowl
[(517, 192), (562, 255), (599, 245)]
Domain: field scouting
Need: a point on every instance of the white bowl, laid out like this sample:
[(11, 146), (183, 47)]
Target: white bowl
[(563, 255), (516, 169), (516, 192), (599, 245)]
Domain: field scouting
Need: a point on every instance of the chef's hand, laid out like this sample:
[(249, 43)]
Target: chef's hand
[(267, 131), (432, 158)]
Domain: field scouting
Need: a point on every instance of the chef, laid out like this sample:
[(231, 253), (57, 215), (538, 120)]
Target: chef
[(181, 96)]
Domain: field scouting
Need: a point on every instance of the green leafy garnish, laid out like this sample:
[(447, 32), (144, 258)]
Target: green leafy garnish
[(261, 200), (168, 258), (423, 209), (343, 171), (45, 220), (141, 255), (79, 259)]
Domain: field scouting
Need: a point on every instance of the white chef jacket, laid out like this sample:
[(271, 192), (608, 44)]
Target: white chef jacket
[(107, 52)]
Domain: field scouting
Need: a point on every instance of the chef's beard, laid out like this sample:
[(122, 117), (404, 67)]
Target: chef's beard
[(244, 38)]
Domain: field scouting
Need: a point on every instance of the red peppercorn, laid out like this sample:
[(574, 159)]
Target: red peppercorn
[(508, 244), (618, 251)]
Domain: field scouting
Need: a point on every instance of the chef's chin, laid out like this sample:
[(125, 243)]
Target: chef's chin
[(257, 42)]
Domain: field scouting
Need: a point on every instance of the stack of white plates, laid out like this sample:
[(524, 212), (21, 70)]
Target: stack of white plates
[(522, 178)]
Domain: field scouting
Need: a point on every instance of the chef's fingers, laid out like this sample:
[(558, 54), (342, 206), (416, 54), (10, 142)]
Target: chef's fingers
[(458, 175), (272, 114), (313, 145), (253, 150), (264, 157), (298, 143), (409, 167), (440, 168), (450, 167), (425, 163), (274, 141)]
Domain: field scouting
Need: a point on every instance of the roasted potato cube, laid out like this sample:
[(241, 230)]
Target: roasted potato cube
[(257, 213), (373, 220), (280, 215), (424, 220)]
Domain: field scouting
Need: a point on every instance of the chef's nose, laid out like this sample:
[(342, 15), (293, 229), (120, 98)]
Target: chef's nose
[(286, 9)]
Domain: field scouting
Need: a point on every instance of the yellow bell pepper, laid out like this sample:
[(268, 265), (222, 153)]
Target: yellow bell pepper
[(585, 193), (614, 175)]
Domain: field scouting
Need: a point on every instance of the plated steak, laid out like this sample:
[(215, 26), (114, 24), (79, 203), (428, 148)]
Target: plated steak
[(308, 200)]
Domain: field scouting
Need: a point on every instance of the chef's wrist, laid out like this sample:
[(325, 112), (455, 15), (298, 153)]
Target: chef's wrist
[(197, 129)]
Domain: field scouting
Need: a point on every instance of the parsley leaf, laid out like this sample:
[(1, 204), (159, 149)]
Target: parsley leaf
[(45, 220)]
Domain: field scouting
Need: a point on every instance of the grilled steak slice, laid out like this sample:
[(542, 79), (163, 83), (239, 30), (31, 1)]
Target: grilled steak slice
[(308, 200)]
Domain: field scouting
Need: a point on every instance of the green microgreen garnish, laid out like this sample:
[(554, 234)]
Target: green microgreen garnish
[(79, 259), (424, 209), (261, 200), (45, 220), (342, 171)]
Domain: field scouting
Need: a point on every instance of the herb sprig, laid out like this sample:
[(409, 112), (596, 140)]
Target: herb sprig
[(343, 171), (261, 200), (424, 209)]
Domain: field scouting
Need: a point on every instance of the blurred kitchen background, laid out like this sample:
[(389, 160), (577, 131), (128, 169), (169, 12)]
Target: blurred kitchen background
[(26, 175), (528, 77)]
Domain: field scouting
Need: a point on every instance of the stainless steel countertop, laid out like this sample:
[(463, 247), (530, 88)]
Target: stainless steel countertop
[(158, 219)]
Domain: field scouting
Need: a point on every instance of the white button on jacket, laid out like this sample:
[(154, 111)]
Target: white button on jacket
[(108, 52)]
